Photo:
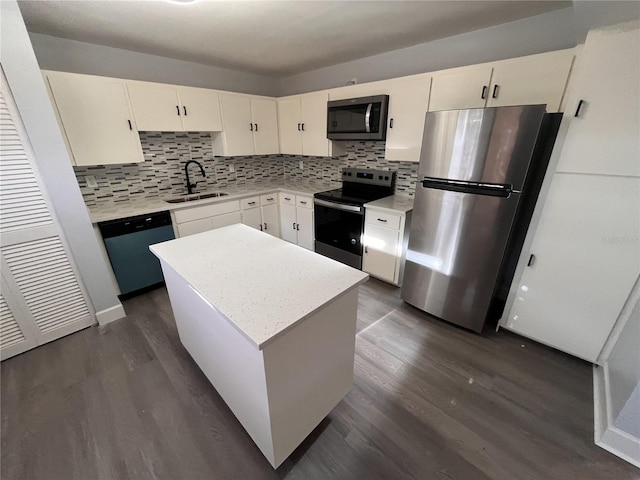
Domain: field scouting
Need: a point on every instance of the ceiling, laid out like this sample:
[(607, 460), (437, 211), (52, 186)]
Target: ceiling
[(275, 38)]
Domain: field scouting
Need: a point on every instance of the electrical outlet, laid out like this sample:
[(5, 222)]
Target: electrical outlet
[(91, 181), (231, 168), (301, 165)]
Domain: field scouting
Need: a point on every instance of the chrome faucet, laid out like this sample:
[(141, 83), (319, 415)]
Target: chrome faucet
[(191, 186)]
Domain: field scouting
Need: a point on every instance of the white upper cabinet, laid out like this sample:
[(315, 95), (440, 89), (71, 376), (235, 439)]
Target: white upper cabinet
[(408, 102), (531, 80), (463, 88), (303, 125), (289, 120), (369, 89), (96, 119), (264, 112), (199, 109), (171, 108), (249, 126), (604, 137)]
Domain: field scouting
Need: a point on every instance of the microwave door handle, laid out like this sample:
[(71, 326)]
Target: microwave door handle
[(367, 119)]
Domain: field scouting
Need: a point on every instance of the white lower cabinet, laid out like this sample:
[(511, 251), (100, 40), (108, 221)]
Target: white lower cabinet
[(261, 213), (296, 219), (582, 265), (385, 241), (189, 221)]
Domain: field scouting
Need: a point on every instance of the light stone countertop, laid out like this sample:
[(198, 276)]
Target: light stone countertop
[(141, 206), (394, 204), (261, 284)]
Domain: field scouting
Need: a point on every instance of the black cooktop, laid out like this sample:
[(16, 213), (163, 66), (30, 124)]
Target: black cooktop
[(354, 196)]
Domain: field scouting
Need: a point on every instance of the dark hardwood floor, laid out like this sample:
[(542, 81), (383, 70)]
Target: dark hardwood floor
[(430, 401)]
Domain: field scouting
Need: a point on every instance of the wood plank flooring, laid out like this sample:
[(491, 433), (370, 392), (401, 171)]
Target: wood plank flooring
[(430, 401)]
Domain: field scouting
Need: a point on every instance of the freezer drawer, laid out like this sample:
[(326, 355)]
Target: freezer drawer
[(455, 250)]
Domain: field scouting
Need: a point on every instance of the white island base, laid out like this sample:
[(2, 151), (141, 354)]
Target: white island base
[(279, 386)]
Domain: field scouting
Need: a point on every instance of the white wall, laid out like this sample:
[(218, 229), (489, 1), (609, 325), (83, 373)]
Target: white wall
[(64, 55), (543, 33), (27, 85)]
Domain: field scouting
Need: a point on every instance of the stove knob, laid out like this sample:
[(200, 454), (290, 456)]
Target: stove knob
[(353, 241), (379, 177), (386, 178)]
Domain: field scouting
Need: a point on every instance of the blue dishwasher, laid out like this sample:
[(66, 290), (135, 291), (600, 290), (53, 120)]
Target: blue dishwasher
[(127, 241)]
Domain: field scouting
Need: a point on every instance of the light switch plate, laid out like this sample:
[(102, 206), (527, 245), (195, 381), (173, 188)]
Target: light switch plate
[(301, 165), (231, 168), (91, 181)]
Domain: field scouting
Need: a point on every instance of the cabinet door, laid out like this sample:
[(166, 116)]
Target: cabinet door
[(408, 103), (289, 120), (227, 219), (586, 260), (193, 227), (97, 120), (156, 107), (381, 252), (288, 223), (468, 88), (200, 109), (237, 127), (537, 79), (603, 139), (264, 113), (271, 219), (253, 218), (314, 124), (305, 228)]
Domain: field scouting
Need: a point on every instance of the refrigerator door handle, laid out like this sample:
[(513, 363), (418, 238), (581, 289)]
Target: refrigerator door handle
[(491, 189)]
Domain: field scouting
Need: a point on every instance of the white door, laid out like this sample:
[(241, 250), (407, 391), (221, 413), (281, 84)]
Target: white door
[(605, 137), (585, 262), (533, 80), (305, 228), (288, 223), (467, 88), (96, 117), (408, 103), (271, 219), (253, 218), (289, 121), (200, 109), (381, 252), (314, 124), (156, 107), (264, 113), (237, 127), (42, 298)]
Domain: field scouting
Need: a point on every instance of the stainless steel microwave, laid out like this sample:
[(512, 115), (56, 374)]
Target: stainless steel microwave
[(362, 118)]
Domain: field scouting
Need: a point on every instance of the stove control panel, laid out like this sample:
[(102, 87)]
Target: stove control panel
[(369, 176)]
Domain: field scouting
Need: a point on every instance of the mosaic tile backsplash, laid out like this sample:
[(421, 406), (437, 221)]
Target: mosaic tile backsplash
[(165, 154)]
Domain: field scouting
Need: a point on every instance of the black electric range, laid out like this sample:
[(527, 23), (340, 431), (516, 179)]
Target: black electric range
[(339, 213)]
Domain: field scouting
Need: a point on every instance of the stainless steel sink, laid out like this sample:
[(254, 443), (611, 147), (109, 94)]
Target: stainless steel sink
[(193, 198)]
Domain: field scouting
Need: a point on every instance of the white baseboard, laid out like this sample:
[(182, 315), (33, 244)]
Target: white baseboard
[(607, 435), (110, 314)]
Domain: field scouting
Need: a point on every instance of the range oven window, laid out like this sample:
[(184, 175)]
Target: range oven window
[(339, 228)]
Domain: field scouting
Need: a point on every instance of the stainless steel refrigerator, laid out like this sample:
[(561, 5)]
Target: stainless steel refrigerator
[(469, 218)]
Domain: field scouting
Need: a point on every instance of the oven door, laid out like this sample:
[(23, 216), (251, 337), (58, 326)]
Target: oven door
[(339, 228)]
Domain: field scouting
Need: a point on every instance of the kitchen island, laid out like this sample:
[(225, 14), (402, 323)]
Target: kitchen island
[(270, 324)]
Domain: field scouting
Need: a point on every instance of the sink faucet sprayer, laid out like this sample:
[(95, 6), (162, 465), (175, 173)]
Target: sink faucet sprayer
[(191, 186)]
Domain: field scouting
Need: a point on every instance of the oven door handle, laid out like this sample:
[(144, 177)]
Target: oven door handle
[(339, 206)]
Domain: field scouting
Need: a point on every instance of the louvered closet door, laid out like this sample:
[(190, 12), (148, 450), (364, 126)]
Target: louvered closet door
[(42, 298)]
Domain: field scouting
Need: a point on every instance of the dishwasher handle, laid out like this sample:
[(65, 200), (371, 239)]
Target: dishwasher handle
[(124, 226)]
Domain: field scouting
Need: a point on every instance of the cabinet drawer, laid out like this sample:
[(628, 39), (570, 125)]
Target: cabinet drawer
[(196, 213), (389, 220), (287, 198), (250, 202), (304, 202), (269, 198)]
